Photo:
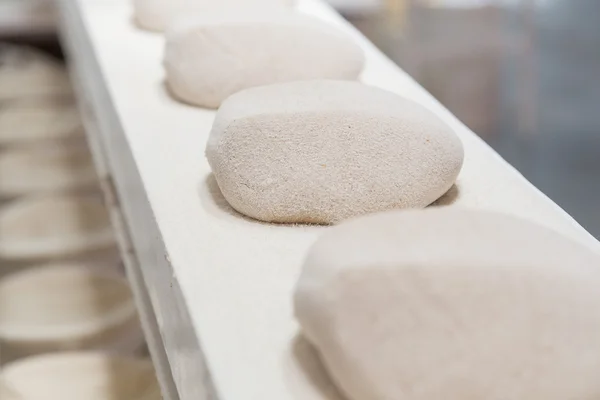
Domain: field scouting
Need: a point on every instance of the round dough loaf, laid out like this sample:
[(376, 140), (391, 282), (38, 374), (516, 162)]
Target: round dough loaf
[(324, 151), (209, 59), (34, 121), (54, 226), (157, 15), (82, 376), (453, 304), (29, 170)]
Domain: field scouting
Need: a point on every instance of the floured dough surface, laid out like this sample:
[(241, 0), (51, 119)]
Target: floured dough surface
[(325, 151), (157, 15), (453, 304), (51, 226), (34, 169), (79, 376), (211, 57)]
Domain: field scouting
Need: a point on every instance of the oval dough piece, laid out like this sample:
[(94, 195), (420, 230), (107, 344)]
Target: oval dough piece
[(83, 375), (59, 306), (453, 304), (53, 226), (210, 59), (324, 151), (34, 121), (30, 170), (157, 15)]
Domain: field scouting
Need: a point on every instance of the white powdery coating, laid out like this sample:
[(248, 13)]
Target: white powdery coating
[(453, 304), (157, 15), (325, 151), (208, 59)]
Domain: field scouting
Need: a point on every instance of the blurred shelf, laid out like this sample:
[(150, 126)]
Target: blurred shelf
[(214, 289), (354, 7), (20, 18)]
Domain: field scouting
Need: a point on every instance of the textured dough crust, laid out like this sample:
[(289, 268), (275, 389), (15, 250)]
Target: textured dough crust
[(324, 151), (453, 304)]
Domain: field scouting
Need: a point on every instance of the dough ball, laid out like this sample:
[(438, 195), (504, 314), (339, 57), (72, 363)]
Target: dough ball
[(453, 304), (208, 59), (324, 151), (157, 15)]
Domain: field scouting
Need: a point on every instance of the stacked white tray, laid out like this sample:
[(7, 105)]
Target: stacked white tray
[(27, 17)]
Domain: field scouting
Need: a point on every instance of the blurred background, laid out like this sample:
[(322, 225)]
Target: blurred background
[(523, 74)]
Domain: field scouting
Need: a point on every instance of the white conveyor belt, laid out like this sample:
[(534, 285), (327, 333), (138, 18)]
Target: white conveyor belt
[(215, 287)]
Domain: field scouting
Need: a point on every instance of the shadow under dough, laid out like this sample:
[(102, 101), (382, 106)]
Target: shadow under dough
[(449, 198), (310, 366), (213, 200), (168, 93)]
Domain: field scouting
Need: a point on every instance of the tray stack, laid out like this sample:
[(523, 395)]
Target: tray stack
[(214, 287), (27, 18), (67, 312)]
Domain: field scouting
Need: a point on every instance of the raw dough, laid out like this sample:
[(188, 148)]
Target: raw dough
[(29, 73), (453, 304), (34, 121), (54, 226), (324, 151), (157, 15), (82, 376), (208, 59), (46, 168), (59, 306)]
